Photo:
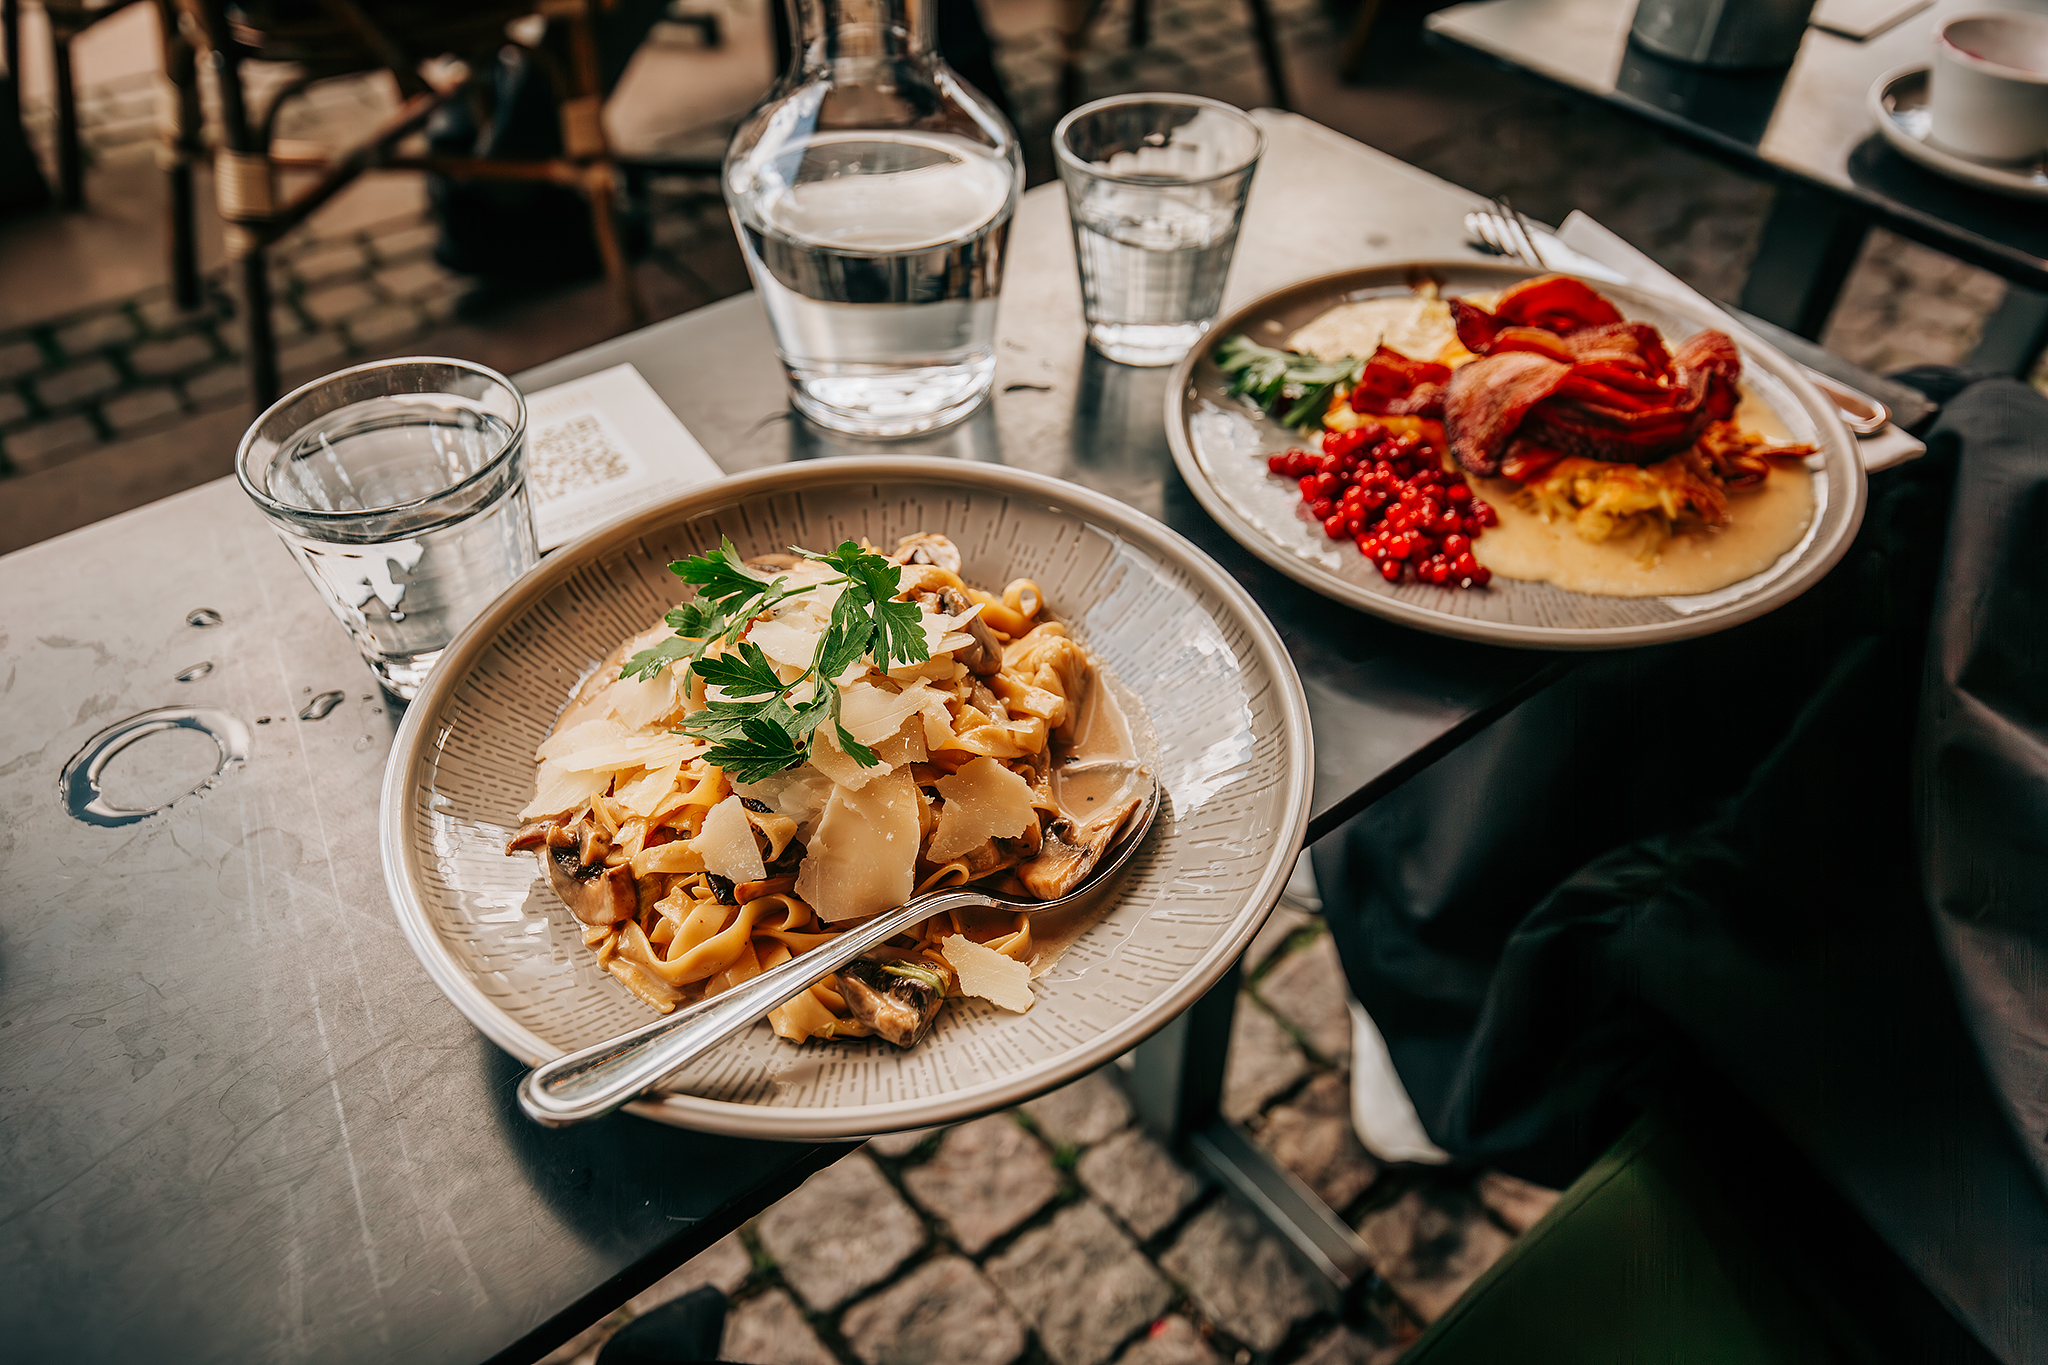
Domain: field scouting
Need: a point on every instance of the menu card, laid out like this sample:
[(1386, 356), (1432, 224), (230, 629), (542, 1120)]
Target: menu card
[(599, 446)]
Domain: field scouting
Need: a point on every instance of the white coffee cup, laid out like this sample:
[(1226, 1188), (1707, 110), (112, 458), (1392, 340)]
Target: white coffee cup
[(1988, 89)]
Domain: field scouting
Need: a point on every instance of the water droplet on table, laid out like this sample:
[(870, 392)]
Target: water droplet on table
[(79, 785), (195, 672), (202, 617), (321, 706)]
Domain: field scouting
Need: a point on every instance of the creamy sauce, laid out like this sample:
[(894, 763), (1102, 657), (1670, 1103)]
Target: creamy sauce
[(1763, 523), (1100, 769), (1111, 752)]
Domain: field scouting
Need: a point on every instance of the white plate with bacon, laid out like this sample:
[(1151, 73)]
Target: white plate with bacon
[(1490, 452)]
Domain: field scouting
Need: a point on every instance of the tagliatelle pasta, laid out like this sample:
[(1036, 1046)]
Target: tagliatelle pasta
[(996, 756)]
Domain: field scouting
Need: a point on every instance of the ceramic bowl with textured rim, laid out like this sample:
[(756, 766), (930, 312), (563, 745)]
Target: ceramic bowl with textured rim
[(1220, 444), (1231, 743)]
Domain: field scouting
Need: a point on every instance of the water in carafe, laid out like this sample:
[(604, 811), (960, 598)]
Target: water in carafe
[(872, 193), (878, 256)]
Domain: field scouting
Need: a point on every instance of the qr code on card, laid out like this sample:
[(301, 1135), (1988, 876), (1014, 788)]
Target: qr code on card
[(573, 456)]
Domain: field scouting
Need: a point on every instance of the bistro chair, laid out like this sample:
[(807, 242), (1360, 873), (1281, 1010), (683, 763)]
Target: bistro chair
[(324, 39), (67, 19)]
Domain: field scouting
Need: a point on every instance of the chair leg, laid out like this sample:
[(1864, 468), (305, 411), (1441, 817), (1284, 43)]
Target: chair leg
[(599, 183), (70, 161), (246, 244), (10, 49), (1351, 59), (1268, 37), (583, 140), (258, 331), (1080, 17), (181, 137)]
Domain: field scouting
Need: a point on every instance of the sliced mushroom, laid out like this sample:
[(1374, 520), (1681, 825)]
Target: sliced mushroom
[(532, 834), (1071, 850), (898, 1000), (986, 656), (929, 548), (595, 894)]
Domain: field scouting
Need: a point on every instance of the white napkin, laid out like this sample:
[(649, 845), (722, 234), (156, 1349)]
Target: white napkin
[(602, 445), (1585, 241)]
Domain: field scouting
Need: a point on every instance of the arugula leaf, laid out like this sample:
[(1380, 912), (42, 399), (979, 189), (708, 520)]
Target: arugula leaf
[(1272, 377)]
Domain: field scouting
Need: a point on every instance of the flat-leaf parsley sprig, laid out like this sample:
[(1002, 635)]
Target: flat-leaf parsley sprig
[(759, 724)]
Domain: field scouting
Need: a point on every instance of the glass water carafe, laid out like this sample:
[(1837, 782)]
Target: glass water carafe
[(872, 192)]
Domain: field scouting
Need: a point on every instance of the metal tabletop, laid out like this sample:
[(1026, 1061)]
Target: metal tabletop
[(240, 1123)]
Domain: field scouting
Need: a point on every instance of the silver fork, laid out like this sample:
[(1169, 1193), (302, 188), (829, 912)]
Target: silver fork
[(1506, 232)]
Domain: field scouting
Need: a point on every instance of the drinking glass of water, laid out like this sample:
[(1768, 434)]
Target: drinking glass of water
[(1156, 186), (400, 487)]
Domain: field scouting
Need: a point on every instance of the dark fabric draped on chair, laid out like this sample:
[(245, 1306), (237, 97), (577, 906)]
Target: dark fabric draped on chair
[(1810, 854)]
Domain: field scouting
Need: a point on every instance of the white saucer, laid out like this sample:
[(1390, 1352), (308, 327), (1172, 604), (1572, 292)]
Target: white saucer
[(1898, 101)]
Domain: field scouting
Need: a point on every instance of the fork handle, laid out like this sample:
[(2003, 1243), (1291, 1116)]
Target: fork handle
[(596, 1080)]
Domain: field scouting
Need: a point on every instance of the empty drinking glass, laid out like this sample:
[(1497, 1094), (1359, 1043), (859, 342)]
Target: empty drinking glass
[(1156, 186), (400, 487)]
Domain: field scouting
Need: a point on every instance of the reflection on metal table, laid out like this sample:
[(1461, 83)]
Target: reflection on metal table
[(1808, 128), (243, 1121)]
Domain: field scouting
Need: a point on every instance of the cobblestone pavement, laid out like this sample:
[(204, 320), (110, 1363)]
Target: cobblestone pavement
[(1061, 1234)]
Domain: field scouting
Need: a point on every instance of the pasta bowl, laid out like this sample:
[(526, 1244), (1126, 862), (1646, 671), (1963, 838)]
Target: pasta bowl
[(1227, 732)]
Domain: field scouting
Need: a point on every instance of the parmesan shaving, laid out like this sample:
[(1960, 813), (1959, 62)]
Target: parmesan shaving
[(604, 732), (791, 640), (639, 751), (1000, 980), (871, 714), (906, 746), (559, 790), (644, 794), (799, 793), (984, 801), (862, 859), (726, 840), (828, 758), (637, 705)]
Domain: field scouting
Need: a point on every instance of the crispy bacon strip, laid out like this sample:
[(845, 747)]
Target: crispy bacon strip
[(1391, 379), (1487, 399), (1583, 381), (1556, 303)]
